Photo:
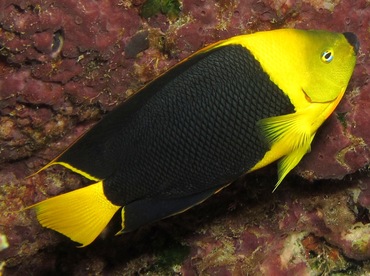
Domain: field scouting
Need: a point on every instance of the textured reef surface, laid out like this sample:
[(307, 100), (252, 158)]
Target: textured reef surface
[(64, 64)]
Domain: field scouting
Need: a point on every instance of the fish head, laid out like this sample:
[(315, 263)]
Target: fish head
[(330, 66)]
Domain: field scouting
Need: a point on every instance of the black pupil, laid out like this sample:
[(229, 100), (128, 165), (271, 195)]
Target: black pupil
[(327, 55)]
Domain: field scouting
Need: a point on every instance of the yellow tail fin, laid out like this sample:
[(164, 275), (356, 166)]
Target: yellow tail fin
[(80, 215)]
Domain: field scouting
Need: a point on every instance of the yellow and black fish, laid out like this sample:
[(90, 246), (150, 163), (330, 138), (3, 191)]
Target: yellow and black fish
[(231, 108)]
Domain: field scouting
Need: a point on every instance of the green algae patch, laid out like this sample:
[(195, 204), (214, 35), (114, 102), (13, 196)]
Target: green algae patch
[(170, 254), (170, 8)]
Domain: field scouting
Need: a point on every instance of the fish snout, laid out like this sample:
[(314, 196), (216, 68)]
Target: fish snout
[(353, 40)]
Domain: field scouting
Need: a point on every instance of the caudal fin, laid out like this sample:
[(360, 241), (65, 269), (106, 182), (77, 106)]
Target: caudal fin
[(80, 215)]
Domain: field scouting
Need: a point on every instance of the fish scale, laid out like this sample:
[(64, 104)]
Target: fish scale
[(215, 129)]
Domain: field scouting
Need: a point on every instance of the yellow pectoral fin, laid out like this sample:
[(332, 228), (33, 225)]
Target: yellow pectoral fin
[(290, 137), (292, 130), (288, 162), (80, 215)]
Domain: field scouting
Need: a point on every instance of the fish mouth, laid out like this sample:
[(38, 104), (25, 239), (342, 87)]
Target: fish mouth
[(306, 96)]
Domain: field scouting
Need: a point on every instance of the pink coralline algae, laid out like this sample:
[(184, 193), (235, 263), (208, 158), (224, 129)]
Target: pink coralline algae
[(64, 64)]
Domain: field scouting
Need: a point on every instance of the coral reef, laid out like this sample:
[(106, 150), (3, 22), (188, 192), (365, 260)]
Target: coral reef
[(64, 64)]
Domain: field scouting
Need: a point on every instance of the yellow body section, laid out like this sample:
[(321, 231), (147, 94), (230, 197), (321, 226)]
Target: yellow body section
[(295, 61), (311, 67)]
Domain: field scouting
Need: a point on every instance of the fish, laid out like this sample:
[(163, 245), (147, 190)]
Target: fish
[(230, 108)]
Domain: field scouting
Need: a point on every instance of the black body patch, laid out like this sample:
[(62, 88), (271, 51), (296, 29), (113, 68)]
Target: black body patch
[(191, 130)]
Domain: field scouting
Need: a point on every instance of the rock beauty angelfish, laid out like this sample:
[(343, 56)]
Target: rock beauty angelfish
[(229, 109)]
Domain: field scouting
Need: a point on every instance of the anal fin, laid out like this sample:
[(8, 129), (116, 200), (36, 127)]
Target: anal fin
[(145, 211), (81, 214)]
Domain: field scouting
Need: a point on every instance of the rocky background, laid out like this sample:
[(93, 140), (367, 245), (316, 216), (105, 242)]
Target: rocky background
[(64, 64)]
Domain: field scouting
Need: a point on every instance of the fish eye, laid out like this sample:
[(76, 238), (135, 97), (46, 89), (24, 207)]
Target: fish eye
[(327, 56)]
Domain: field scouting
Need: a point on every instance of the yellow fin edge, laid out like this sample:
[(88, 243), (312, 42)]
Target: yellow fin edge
[(81, 214), (68, 166)]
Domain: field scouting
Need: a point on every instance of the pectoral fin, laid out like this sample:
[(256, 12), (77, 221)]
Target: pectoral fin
[(288, 162), (291, 135)]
